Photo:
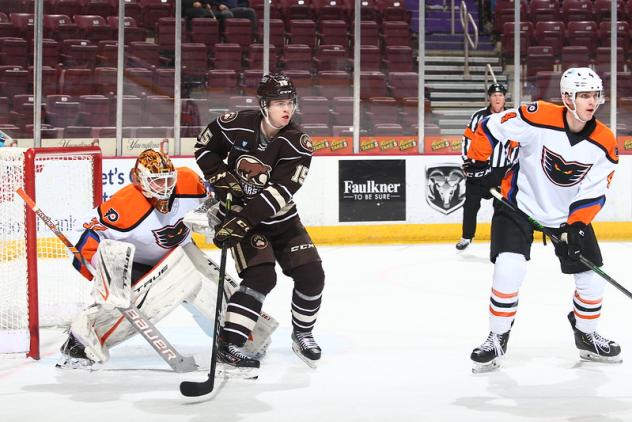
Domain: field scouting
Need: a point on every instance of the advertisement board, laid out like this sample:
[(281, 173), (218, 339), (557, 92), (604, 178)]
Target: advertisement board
[(372, 190)]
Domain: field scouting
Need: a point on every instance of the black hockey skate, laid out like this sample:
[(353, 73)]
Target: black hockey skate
[(594, 347), (463, 243), (486, 357), (73, 355), (235, 362), (305, 347)]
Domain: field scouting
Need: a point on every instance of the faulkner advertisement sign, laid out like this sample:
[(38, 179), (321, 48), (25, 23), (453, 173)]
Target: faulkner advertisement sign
[(372, 190)]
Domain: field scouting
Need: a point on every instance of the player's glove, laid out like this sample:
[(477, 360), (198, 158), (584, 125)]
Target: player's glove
[(573, 236), (224, 182), (231, 231), (476, 169)]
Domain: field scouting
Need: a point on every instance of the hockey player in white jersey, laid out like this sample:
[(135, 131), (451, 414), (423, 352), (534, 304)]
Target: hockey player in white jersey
[(140, 245), (563, 170)]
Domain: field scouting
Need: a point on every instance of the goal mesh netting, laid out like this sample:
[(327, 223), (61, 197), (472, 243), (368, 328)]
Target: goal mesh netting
[(35, 266)]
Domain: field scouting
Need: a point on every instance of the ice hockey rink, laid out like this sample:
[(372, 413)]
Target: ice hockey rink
[(396, 326)]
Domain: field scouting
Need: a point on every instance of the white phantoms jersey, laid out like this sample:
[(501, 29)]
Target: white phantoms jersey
[(129, 217), (559, 176), (502, 155)]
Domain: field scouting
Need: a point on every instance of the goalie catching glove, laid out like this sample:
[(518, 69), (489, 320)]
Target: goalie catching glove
[(204, 218), (231, 231)]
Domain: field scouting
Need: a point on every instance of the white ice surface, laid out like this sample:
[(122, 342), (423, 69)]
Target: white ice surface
[(396, 326)]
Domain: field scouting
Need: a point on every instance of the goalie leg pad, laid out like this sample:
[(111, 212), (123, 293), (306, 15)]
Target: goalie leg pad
[(157, 294), (83, 328), (113, 278)]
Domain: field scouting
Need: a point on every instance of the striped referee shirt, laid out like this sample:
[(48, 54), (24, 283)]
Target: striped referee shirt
[(501, 156)]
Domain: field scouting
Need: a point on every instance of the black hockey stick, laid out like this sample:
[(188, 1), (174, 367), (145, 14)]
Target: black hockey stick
[(538, 226), (193, 388)]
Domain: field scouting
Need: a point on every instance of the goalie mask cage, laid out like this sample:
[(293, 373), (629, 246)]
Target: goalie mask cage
[(38, 285)]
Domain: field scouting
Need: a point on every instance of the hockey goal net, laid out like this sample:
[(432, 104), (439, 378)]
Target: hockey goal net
[(38, 285)]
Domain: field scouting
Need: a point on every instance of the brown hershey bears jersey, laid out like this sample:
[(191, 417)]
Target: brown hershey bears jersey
[(269, 171)]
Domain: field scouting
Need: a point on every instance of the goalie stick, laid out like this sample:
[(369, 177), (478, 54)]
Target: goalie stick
[(135, 317), (193, 388), (537, 225)]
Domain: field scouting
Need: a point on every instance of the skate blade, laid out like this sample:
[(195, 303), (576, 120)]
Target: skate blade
[(74, 363), (235, 372), (483, 368), (594, 357), (311, 363)]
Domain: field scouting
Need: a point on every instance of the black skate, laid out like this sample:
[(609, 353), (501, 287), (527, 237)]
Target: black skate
[(305, 347), (594, 347), (235, 362), (487, 356), (463, 243), (73, 355)]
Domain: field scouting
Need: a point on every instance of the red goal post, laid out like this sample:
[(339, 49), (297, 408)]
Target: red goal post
[(38, 285)]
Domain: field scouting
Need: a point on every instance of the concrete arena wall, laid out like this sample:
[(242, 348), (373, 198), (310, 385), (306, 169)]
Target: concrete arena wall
[(319, 203)]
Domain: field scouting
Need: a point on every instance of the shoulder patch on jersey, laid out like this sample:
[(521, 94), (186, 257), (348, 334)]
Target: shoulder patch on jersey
[(228, 117), (508, 116), (125, 209), (543, 114), (306, 143), (561, 172), (111, 215), (532, 107)]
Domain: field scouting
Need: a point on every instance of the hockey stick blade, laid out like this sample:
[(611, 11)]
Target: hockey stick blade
[(196, 389), (537, 225)]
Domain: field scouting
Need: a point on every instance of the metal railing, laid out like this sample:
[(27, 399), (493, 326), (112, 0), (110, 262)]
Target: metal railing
[(489, 71), (466, 19)]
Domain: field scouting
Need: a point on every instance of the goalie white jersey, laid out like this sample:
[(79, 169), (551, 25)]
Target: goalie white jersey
[(559, 176), (129, 217)]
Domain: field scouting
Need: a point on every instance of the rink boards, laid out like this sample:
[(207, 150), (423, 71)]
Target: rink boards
[(396, 199)]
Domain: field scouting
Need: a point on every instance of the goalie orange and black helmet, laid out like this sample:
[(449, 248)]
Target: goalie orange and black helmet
[(155, 176)]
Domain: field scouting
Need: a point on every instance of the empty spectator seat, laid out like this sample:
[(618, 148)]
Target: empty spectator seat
[(228, 56), (398, 58), (403, 84), (332, 57), (205, 31), (297, 56), (302, 31), (239, 31), (93, 28), (332, 83), (333, 32)]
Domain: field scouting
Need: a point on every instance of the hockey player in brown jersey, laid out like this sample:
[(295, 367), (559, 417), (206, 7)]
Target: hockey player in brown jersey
[(262, 157)]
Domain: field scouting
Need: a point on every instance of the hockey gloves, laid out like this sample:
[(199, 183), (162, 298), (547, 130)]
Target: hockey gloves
[(231, 232), (476, 169), (224, 182), (573, 236)]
